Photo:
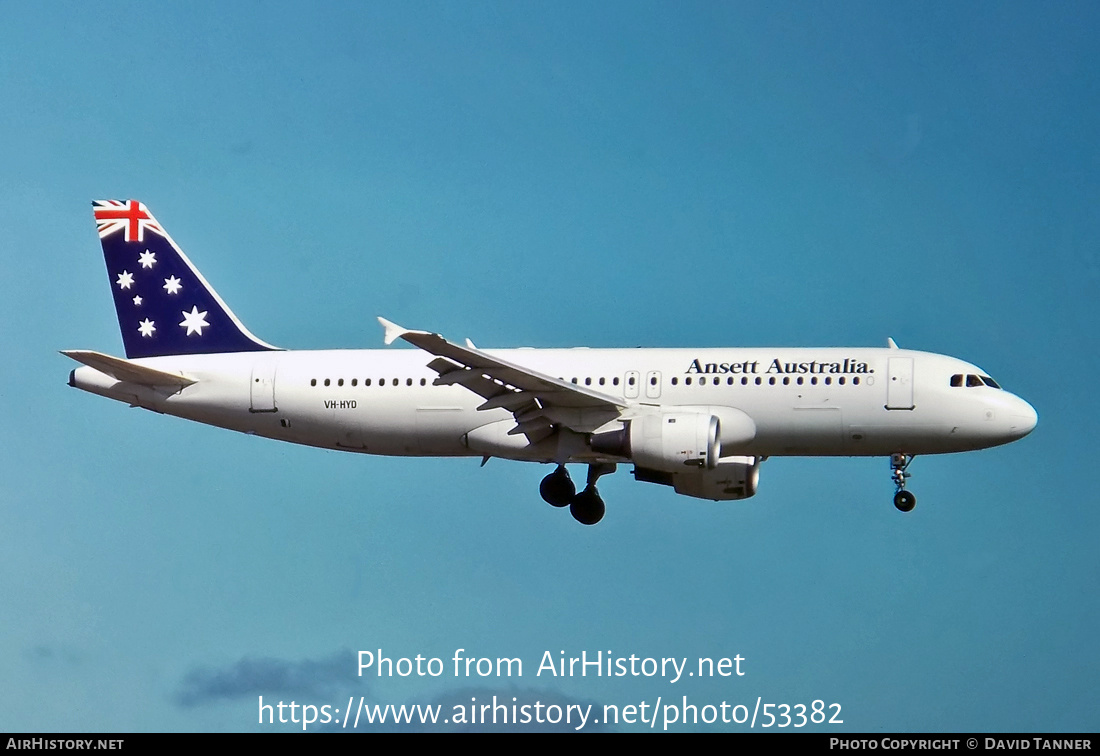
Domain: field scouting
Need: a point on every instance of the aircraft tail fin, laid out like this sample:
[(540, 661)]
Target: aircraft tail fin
[(163, 303)]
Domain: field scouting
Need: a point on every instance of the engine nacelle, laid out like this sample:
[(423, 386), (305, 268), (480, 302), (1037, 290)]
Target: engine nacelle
[(734, 478), (670, 442)]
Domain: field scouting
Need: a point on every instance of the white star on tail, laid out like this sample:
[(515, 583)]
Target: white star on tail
[(146, 327), (125, 280), (171, 285), (194, 321), (147, 259), (137, 300)]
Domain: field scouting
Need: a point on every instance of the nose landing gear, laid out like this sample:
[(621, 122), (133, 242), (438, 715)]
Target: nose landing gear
[(558, 490), (903, 500)]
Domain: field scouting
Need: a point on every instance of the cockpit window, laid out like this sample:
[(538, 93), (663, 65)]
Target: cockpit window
[(973, 381)]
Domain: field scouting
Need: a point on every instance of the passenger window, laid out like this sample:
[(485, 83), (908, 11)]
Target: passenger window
[(313, 382)]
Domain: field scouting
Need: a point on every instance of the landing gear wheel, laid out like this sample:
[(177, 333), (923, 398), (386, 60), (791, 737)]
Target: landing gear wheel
[(557, 488), (905, 501), (587, 507), (899, 465)]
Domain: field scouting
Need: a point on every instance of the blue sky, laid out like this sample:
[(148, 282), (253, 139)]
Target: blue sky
[(553, 175)]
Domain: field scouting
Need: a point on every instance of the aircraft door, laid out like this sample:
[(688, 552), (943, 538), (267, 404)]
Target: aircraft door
[(899, 386), (630, 390), (653, 384), (262, 385)]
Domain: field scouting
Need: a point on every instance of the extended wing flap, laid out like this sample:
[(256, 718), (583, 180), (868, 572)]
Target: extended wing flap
[(451, 374), (513, 401), (125, 370)]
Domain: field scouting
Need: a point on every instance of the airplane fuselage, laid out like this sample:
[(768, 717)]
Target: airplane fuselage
[(698, 420), (803, 402)]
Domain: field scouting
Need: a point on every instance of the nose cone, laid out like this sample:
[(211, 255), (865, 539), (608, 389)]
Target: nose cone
[(1022, 418)]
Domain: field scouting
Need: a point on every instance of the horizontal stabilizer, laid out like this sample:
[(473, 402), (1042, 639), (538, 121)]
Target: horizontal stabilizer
[(124, 370)]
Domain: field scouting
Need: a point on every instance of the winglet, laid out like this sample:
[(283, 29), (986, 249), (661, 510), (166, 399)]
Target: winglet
[(393, 331), (890, 343)]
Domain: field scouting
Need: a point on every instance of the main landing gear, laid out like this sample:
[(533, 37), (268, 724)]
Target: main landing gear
[(586, 507), (903, 500)]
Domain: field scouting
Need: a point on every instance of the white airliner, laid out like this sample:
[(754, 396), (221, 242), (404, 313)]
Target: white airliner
[(699, 420)]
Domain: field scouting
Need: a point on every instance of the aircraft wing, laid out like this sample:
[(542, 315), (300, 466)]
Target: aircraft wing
[(537, 401)]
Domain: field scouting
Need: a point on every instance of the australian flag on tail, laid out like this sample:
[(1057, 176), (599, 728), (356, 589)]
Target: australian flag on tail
[(164, 305)]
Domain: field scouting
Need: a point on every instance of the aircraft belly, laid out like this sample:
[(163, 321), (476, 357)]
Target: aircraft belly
[(883, 439), (222, 401), (801, 430), (374, 429), (439, 430), (822, 431)]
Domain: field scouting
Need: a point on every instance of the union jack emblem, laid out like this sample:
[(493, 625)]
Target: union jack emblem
[(130, 215)]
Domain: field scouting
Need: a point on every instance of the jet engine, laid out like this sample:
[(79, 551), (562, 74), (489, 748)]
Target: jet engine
[(734, 478), (670, 441)]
